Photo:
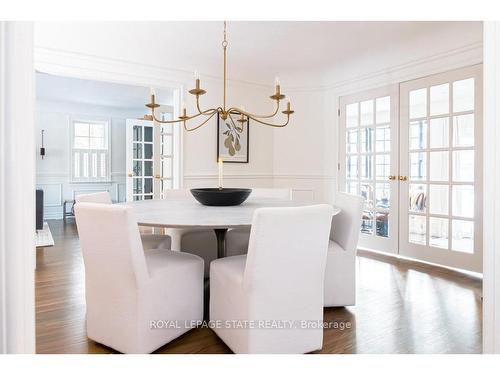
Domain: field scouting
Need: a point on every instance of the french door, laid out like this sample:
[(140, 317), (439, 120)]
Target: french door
[(440, 168), (369, 163), (152, 167), (413, 151), (142, 163)]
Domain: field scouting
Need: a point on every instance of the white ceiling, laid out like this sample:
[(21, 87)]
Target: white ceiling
[(258, 50), (73, 90)]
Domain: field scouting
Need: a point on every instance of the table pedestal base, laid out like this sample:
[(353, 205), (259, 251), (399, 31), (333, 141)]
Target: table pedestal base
[(221, 242)]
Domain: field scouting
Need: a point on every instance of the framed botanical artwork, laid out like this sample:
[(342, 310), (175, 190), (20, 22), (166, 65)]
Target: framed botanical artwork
[(232, 140)]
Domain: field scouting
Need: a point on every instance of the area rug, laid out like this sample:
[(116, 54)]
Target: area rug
[(43, 237)]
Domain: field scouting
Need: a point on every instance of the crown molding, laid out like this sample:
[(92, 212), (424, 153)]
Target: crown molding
[(81, 65), (469, 54)]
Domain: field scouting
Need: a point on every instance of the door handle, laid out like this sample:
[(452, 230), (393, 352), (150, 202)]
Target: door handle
[(403, 178), (392, 178), (157, 176), (130, 175)]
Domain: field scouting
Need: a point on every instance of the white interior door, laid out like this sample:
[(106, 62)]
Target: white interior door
[(166, 159), (142, 160), (368, 162), (440, 169)]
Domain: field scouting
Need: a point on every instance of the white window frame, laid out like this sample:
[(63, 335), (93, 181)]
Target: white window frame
[(90, 179)]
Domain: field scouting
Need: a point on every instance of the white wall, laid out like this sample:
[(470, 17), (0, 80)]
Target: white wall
[(53, 171), (303, 151), (304, 154)]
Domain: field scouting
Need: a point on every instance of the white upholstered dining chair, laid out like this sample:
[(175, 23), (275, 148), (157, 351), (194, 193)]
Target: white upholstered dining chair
[(280, 280), (149, 240), (129, 290), (100, 197), (340, 274)]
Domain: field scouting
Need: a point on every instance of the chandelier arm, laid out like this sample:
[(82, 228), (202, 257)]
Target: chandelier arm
[(273, 125), (198, 104), (237, 111), (200, 125), (199, 109), (206, 112)]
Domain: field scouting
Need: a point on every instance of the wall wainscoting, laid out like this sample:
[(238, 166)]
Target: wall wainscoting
[(316, 188), (57, 188)]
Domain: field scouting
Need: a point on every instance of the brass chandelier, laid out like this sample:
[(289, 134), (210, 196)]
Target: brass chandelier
[(223, 112)]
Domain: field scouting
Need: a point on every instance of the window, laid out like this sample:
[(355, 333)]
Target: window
[(90, 151)]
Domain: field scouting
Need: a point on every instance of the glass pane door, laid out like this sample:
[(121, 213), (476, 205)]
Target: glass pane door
[(440, 169), (166, 155), (368, 162), (140, 160)]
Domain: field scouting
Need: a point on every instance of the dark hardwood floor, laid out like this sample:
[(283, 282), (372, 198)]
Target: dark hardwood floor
[(402, 307)]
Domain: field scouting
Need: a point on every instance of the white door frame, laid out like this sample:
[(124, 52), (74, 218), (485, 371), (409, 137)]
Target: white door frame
[(491, 168), (17, 188)]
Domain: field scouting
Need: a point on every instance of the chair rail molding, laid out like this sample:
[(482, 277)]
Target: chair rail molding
[(260, 176), (491, 213), (17, 188)]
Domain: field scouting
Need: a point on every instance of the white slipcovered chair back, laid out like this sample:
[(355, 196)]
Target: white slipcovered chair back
[(176, 193), (284, 272), (264, 193), (346, 225), (101, 197), (112, 253)]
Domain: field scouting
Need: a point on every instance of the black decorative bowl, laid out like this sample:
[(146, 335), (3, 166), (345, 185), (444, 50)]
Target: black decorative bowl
[(221, 197)]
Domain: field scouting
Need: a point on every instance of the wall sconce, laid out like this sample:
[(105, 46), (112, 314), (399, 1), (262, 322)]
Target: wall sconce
[(42, 149)]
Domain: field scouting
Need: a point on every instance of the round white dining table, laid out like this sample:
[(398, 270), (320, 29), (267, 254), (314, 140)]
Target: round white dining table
[(186, 212)]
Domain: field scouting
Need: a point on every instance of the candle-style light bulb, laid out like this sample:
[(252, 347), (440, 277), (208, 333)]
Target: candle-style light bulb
[(183, 109), (220, 165), (197, 79), (152, 91), (277, 84)]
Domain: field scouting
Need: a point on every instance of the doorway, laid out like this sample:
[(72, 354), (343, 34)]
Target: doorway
[(414, 152)]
